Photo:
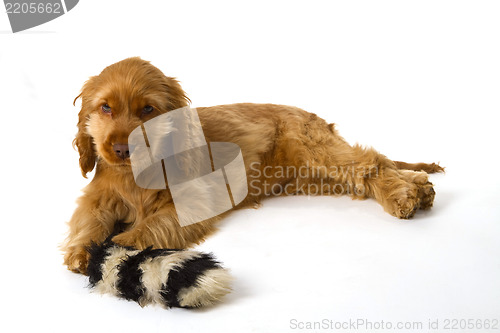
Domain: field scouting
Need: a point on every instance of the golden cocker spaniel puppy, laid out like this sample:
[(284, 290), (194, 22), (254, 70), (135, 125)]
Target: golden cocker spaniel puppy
[(274, 139)]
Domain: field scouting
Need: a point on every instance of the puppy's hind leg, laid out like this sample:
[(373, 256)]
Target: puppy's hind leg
[(427, 167), (397, 192), (426, 191)]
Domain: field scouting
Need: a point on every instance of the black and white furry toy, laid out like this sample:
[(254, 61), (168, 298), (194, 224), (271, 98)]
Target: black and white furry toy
[(170, 278)]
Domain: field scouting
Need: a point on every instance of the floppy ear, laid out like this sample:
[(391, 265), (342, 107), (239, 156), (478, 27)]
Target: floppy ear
[(176, 97), (83, 141)]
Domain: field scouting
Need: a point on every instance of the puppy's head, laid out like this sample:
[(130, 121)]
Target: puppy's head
[(115, 102)]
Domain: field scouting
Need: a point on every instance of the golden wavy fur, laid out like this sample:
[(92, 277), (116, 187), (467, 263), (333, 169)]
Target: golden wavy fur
[(286, 151)]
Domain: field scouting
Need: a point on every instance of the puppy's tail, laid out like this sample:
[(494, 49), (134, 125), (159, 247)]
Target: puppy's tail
[(429, 168), (170, 278)]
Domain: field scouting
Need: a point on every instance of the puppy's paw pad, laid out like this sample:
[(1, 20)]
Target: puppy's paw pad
[(426, 194), (406, 208)]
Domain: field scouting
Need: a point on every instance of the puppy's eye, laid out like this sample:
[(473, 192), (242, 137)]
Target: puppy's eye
[(106, 108), (147, 109)]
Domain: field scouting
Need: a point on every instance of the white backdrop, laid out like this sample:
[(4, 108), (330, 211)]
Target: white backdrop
[(419, 81)]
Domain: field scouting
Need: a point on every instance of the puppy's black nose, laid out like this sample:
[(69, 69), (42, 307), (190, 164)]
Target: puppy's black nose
[(121, 150)]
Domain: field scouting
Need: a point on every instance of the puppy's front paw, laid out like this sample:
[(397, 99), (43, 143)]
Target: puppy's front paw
[(77, 259), (127, 239)]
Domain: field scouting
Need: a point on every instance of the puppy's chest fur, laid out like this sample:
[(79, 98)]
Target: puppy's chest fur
[(137, 203)]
